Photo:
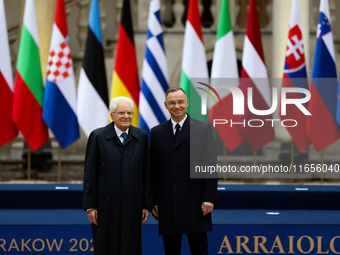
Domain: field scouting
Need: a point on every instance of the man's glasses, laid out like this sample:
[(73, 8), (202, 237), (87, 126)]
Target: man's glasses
[(180, 103), (122, 113)]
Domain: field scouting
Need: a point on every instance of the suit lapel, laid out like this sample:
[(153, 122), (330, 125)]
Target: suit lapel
[(168, 133)]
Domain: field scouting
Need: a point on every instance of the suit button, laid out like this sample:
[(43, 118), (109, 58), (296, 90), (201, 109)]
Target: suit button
[(175, 168), (175, 186), (121, 150), (175, 152)]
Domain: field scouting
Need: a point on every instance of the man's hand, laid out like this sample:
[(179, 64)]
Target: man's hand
[(207, 207), (145, 215), (154, 212), (93, 216)]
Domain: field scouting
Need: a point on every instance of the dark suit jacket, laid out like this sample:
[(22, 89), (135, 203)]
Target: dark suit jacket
[(179, 197), (117, 182)]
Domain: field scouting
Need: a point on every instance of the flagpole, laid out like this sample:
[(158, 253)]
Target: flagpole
[(59, 163), (225, 160), (291, 161), (28, 162), (254, 163), (322, 162)]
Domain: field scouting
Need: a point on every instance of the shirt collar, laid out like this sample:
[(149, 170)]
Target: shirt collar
[(120, 132), (180, 123)]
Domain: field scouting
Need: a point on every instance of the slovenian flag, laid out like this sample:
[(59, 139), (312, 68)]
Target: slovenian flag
[(194, 63), (92, 85), (224, 69), (59, 109), (295, 75), (8, 130), (29, 87), (254, 75), (322, 129)]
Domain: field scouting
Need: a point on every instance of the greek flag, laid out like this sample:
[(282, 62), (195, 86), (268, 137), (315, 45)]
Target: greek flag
[(155, 78)]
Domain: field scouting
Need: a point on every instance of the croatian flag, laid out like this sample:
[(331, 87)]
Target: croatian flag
[(295, 76), (322, 129), (59, 108)]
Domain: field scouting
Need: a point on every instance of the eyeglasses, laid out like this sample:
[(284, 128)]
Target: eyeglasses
[(122, 113), (180, 103)]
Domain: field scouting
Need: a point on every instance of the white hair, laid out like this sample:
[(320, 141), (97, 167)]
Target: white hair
[(114, 102)]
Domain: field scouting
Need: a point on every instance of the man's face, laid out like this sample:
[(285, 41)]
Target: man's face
[(177, 105), (122, 117)]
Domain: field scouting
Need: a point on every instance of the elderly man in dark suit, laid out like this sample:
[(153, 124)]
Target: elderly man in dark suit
[(183, 205), (117, 182)]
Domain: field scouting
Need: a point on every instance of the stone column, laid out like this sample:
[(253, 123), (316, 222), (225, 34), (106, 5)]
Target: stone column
[(45, 10), (281, 15)]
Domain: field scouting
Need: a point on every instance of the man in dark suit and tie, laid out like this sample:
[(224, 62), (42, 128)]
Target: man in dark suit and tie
[(183, 205), (117, 182)]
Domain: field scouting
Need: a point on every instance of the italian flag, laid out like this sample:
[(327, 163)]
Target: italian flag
[(29, 90), (194, 63), (224, 71)]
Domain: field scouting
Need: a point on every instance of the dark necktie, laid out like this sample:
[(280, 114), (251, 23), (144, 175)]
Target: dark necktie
[(177, 130), (124, 135)]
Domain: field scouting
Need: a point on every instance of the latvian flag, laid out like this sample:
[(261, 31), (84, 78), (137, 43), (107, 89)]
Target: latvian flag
[(322, 129), (295, 76), (254, 75)]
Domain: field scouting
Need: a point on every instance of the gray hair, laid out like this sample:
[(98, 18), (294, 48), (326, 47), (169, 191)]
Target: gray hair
[(114, 102)]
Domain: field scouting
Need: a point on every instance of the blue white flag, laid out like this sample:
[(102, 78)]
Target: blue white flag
[(155, 78)]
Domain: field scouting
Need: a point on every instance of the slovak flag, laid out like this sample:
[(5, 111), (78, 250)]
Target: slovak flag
[(295, 76), (59, 107), (322, 129)]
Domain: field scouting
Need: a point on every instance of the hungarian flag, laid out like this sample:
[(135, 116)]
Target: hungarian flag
[(322, 129), (8, 130), (125, 80), (224, 69), (59, 110), (29, 89), (295, 76), (254, 75), (92, 86), (194, 63)]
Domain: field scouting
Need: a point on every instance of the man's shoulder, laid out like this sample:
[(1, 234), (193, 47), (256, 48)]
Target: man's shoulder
[(139, 131), (101, 130), (159, 126)]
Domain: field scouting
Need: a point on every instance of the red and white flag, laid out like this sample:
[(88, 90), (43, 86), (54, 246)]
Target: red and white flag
[(8, 130), (254, 75)]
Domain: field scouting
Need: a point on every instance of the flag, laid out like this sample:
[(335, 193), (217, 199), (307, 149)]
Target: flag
[(125, 80), (59, 109), (194, 63), (322, 129), (29, 89), (155, 78), (254, 75), (295, 75), (8, 130), (92, 86), (225, 66)]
